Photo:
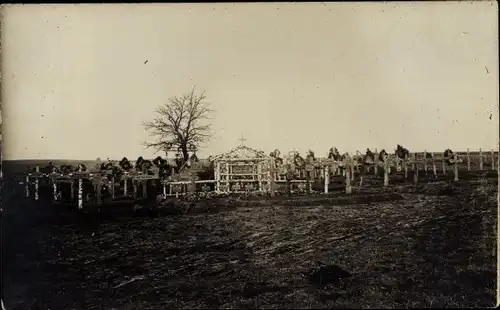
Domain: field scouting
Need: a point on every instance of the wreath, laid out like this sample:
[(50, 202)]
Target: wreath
[(125, 164), (449, 156), (382, 156), (299, 161)]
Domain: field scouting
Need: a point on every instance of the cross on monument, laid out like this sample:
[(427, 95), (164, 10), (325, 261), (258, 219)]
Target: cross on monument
[(242, 139)]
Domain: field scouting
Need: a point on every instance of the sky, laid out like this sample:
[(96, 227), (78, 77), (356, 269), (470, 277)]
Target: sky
[(76, 84)]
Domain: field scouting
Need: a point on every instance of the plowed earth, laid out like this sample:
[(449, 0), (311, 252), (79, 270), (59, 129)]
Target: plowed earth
[(429, 245)]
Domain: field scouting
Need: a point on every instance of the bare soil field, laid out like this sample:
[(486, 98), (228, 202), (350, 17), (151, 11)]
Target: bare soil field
[(432, 244)]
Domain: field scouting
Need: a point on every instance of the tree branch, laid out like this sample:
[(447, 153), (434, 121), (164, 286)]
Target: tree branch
[(180, 123)]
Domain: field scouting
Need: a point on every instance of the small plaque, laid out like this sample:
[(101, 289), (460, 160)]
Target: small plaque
[(309, 167)]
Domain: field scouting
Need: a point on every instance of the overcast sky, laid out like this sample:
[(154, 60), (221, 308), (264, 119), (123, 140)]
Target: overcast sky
[(284, 75)]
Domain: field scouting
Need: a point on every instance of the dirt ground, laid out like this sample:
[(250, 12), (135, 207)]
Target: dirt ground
[(425, 245)]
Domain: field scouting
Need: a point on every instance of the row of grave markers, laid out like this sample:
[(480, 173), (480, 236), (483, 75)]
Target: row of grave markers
[(413, 157), (350, 165), (97, 181)]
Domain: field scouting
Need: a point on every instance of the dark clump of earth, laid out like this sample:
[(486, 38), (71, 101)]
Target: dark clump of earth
[(327, 274)]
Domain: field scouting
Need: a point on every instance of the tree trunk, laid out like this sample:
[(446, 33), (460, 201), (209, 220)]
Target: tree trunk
[(185, 153)]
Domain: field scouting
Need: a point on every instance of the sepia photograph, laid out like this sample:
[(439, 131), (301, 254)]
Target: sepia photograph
[(249, 155)]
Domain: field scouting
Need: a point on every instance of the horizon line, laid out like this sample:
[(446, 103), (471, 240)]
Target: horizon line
[(69, 159)]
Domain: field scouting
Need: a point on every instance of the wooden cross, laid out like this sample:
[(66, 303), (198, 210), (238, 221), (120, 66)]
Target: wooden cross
[(242, 139)]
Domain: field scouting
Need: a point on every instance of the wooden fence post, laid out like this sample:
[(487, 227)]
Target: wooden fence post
[(480, 159), (434, 170), (415, 173), (308, 182), (496, 161), (327, 178), (375, 167), (259, 172), (98, 192), (425, 161), (357, 159), (54, 188), (468, 160), (113, 187), (192, 179), (145, 189), (37, 182), (125, 183), (492, 159), (272, 180), (134, 184), (348, 187), (72, 189), (80, 190), (352, 169), (405, 166), (27, 185), (386, 172), (443, 163)]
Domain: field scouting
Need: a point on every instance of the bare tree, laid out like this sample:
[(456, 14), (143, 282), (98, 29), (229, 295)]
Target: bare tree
[(181, 123)]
